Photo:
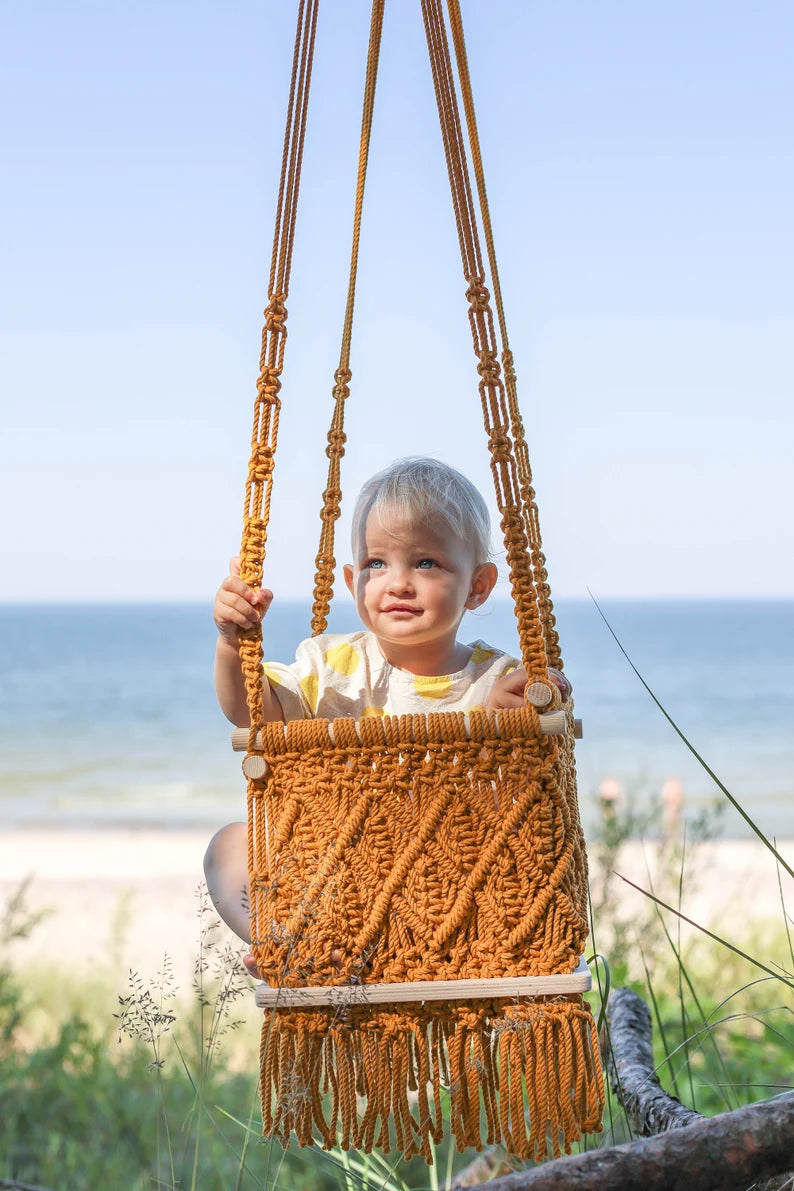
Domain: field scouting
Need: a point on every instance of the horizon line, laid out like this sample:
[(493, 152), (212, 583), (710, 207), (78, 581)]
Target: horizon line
[(500, 600)]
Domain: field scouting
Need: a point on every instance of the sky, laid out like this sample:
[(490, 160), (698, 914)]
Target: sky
[(640, 168)]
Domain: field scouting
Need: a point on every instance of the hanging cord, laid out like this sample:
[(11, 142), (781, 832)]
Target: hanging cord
[(268, 404), (332, 496), (491, 386), (529, 501)]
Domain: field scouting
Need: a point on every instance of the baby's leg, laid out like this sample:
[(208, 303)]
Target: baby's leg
[(226, 870)]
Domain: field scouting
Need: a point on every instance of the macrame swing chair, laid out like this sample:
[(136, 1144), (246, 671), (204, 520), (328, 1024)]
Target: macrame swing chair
[(442, 856)]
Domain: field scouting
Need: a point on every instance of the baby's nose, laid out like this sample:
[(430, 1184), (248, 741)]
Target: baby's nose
[(401, 579)]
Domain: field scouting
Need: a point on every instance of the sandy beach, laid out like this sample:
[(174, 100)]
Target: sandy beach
[(122, 899), (111, 898)]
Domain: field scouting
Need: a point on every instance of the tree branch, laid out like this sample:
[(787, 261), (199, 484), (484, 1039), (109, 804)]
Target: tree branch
[(729, 1151), (650, 1110), (685, 1152)]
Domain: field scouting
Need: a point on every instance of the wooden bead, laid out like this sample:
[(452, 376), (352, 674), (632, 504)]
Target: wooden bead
[(538, 694), (254, 767)]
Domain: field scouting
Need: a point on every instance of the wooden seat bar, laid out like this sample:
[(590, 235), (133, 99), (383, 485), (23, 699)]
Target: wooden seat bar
[(552, 723), (578, 981)]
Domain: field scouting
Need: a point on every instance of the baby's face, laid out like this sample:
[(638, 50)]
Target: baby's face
[(412, 583)]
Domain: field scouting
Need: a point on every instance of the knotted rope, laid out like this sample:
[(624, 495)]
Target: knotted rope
[(420, 850)]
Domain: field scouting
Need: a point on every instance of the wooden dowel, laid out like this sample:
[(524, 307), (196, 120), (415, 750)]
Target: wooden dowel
[(578, 981), (551, 724)]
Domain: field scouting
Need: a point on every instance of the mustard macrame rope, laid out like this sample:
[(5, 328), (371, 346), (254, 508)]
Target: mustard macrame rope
[(422, 853), (421, 850), (492, 391), (332, 496), (511, 471), (267, 407), (531, 521)]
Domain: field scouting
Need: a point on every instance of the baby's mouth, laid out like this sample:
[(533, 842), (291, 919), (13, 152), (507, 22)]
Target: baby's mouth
[(402, 608)]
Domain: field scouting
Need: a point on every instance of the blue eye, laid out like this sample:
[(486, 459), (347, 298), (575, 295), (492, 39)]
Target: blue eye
[(375, 564), (425, 564)]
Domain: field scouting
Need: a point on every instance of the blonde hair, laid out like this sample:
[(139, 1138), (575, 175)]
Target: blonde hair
[(424, 491)]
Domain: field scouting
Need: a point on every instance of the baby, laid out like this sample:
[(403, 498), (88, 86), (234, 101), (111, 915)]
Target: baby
[(421, 549)]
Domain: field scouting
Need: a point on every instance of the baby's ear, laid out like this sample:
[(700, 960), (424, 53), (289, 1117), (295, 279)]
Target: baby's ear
[(347, 571), (482, 584)]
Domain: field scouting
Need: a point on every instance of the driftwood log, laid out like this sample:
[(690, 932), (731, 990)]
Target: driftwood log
[(685, 1152), (629, 1056), (629, 1060), (728, 1152)]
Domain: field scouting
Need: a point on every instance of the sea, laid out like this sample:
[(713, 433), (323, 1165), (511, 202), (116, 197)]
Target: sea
[(108, 715)]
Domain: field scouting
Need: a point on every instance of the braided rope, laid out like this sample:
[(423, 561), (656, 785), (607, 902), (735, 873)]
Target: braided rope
[(267, 407), (493, 398), (530, 508), (421, 852), (374, 870), (332, 496)]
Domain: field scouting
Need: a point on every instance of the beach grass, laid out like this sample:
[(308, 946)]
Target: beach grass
[(155, 1087)]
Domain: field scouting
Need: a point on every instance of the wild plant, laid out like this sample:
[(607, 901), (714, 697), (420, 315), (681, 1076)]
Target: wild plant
[(148, 1013), (700, 1044)]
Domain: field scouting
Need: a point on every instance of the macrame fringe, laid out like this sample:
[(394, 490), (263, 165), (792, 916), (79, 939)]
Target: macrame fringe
[(524, 1074)]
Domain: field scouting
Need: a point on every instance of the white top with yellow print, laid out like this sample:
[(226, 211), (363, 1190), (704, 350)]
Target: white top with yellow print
[(345, 674)]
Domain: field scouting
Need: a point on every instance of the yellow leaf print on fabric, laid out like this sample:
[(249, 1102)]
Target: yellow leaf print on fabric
[(309, 685), (481, 655), (370, 711), (434, 686), (342, 658), (271, 676)]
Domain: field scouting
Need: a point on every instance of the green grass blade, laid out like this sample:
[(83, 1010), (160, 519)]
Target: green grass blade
[(603, 1021), (684, 973), (668, 1058), (786, 916), (784, 979), (681, 999)]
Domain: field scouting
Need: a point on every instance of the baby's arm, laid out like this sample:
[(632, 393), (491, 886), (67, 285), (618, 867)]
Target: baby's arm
[(508, 691), (238, 606)]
